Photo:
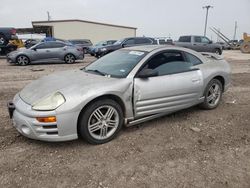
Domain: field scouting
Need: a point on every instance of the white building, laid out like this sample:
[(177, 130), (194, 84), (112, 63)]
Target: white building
[(81, 29)]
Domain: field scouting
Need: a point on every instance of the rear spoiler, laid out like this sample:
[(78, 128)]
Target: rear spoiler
[(212, 55)]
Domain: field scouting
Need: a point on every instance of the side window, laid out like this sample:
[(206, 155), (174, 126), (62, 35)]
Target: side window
[(197, 39), (129, 42), (56, 45), (41, 46), (185, 39), (168, 63), (193, 59), (205, 40), (143, 41)]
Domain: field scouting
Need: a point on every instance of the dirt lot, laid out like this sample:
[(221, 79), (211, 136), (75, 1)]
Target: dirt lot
[(165, 152)]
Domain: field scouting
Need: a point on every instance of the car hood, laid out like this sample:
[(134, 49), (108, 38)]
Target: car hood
[(74, 82)]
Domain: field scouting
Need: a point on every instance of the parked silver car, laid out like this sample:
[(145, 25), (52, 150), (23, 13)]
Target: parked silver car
[(45, 51), (125, 87)]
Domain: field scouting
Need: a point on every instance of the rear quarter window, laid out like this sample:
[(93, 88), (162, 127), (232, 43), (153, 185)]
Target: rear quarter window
[(193, 59)]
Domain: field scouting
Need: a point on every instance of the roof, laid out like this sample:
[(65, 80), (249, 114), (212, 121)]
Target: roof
[(85, 21), (150, 48)]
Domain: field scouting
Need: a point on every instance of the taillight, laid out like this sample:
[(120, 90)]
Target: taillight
[(13, 31)]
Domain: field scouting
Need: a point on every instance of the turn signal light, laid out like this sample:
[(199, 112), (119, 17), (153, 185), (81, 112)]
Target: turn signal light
[(50, 119)]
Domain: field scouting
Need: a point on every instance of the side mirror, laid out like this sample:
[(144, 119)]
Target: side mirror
[(210, 42), (34, 49), (146, 73)]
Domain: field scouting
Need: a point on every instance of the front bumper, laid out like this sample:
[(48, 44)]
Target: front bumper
[(24, 120)]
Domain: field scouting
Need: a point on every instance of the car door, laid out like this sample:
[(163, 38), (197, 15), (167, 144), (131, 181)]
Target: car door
[(56, 50), (42, 51), (201, 44), (177, 86)]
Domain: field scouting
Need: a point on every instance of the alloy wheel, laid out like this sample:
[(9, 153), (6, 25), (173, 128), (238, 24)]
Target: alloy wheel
[(103, 122), (214, 94), (69, 58), (22, 60)]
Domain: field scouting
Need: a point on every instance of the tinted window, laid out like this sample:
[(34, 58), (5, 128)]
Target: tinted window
[(56, 45), (197, 39), (168, 63), (42, 46), (185, 39), (111, 42), (129, 41), (143, 41), (193, 59)]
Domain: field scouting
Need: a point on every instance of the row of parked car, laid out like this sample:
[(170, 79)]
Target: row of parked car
[(72, 50)]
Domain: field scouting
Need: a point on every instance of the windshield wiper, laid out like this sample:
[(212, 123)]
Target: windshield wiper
[(97, 71)]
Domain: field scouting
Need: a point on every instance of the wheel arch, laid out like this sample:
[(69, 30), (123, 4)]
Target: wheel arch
[(69, 53), (221, 79), (113, 97), (23, 55)]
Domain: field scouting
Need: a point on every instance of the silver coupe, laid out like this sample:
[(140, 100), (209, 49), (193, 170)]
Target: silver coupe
[(126, 87)]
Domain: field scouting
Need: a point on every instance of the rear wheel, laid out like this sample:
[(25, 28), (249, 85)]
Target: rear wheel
[(213, 94), (101, 121), (69, 58), (245, 47), (22, 60)]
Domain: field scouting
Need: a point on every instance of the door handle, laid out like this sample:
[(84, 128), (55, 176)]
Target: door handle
[(47, 50)]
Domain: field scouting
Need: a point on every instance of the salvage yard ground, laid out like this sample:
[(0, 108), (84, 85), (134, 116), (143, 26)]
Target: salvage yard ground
[(191, 148)]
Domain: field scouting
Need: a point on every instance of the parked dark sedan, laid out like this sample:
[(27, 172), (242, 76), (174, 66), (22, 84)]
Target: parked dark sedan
[(94, 50), (126, 42), (83, 43)]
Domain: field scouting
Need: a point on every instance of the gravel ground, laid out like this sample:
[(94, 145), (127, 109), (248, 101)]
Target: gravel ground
[(190, 148)]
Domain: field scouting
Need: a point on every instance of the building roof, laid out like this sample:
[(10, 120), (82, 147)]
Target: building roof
[(85, 21)]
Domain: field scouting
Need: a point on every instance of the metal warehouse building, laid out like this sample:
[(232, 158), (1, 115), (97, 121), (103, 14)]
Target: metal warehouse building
[(81, 29)]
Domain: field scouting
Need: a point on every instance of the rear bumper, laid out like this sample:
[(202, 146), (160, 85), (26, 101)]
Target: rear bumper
[(24, 120)]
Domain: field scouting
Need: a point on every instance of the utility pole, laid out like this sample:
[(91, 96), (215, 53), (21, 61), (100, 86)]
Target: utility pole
[(235, 29), (206, 7), (49, 17)]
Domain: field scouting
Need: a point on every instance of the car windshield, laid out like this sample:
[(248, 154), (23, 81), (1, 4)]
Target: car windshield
[(100, 43), (119, 41), (117, 64)]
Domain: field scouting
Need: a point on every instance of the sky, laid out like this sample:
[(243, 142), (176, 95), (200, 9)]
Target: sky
[(153, 18)]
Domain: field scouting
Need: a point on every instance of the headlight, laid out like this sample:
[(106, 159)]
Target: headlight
[(49, 103), (103, 49)]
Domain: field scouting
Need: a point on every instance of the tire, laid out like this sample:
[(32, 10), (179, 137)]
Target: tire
[(100, 122), (213, 94), (3, 40), (69, 58), (245, 47), (22, 60), (218, 51)]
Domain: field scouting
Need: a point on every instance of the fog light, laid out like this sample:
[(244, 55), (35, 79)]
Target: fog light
[(26, 130), (50, 119)]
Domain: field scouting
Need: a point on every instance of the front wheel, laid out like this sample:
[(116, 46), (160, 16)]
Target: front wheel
[(213, 94), (218, 51), (101, 121), (22, 60), (69, 58)]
